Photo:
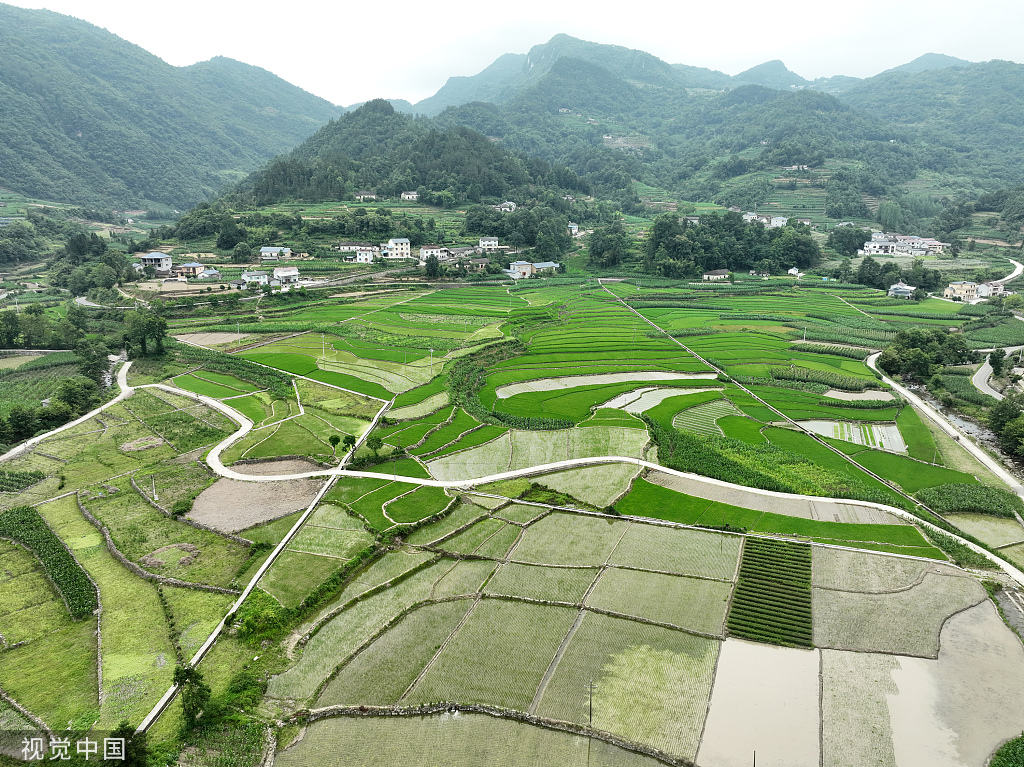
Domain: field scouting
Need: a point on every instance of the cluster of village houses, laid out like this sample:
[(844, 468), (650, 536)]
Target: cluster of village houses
[(361, 253)]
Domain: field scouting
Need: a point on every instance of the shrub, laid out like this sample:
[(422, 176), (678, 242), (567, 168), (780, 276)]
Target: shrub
[(13, 481), (839, 351), (23, 525), (833, 380)]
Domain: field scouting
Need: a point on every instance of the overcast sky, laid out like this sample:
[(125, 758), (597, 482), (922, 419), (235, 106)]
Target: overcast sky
[(348, 52)]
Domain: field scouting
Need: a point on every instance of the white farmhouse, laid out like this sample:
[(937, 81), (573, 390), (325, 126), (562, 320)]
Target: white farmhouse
[(286, 275), (440, 252), (159, 261), (271, 253), (257, 278), (410, 196), (488, 244)]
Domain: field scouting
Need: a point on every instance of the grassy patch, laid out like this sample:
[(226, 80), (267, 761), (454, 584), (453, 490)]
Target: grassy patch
[(295, 574), (417, 505)]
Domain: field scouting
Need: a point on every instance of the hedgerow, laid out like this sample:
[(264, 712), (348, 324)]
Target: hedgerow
[(873, 338), (971, 498), (861, 404), (960, 553), (22, 524), (838, 351), (814, 388), (832, 380)]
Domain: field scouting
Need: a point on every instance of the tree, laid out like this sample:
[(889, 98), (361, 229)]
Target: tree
[(195, 694), (996, 358), (350, 442), (136, 745), (242, 253), (375, 443), (847, 240), (92, 359), (1011, 438), (433, 269), (1005, 411), (334, 439)]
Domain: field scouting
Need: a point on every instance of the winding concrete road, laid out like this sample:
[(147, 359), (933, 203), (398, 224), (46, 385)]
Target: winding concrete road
[(988, 461)]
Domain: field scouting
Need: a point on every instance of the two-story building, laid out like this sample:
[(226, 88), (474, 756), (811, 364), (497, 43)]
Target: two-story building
[(396, 248), (506, 207), (520, 269), (286, 275), (488, 244), (191, 269), (364, 252), (440, 252), (159, 261), (574, 229), (410, 196), (255, 279), (963, 290)]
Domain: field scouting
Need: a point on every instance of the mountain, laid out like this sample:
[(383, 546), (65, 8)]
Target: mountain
[(930, 61), (488, 85), (380, 149), (971, 112), (771, 74), (701, 77), (503, 80), (90, 118)]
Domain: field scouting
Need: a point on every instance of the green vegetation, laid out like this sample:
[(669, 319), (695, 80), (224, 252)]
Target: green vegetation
[(979, 499), (24, 525), (772, 601)]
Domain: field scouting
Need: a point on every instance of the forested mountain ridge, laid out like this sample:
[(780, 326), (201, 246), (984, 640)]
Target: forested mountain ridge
[(378, 149), (90, 118)]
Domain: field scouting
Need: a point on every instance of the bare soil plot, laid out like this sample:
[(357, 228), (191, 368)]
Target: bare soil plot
[(958, 709), (874, 394), (855, 725), (765, 699), (651, 683), (818, 508), (568, 539), (498, 656), (211, 339), (995, 531), (525, 449), (571, 382), (277, 468), (863, 571), (690, 603), (903, 622), (232, 505), (642, 400), (465, 740), (597, 485), (674, 550)]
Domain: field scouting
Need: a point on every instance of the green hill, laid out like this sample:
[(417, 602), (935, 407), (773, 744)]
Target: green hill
[(90, 118)]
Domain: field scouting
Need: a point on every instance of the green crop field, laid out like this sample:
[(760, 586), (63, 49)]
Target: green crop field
[(528, 593), (772, 602)]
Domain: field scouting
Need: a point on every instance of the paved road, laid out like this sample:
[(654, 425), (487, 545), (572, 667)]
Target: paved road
[(989, 462), (980, 379)]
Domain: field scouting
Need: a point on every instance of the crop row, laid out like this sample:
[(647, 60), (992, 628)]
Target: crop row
[(13, 481), (279, 384), (860, 404), (808, 386), (963, 387), (23, 525), (834, 380), (972, 498), (839, 351), (772, 600)]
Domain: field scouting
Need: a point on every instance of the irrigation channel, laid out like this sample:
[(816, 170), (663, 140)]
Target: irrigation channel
[(245, 425)]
